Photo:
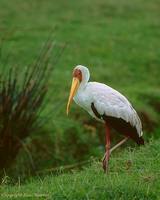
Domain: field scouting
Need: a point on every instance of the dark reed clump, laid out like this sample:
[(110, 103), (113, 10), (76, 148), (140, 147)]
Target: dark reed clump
[(21, 97)]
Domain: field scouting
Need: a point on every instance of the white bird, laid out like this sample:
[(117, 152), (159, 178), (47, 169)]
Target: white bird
[(106, 105)]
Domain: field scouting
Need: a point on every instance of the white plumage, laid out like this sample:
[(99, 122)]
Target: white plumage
[(106, 101), (107, 105)]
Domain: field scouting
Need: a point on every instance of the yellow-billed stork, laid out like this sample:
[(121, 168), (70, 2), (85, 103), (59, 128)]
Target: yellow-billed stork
[(106, 105)]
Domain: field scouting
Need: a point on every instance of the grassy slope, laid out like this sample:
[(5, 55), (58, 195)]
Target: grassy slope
[(134, 174), (118, 41)]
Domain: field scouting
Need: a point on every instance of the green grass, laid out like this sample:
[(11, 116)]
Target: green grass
[(133, 174)]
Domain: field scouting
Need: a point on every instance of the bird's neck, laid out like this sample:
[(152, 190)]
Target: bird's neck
[(80, 92), (82, 86), (78, 98)]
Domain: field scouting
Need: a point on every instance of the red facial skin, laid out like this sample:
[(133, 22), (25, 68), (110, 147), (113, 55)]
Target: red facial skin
[(77, 74)]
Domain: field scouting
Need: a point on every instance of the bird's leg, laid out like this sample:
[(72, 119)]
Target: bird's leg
[(107, 153), (117, 145)]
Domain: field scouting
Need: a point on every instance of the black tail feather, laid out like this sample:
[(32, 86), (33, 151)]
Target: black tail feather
[(124, 128), (140, 141)]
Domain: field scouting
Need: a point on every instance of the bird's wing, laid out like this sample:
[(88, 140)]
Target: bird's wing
[(112, 103)]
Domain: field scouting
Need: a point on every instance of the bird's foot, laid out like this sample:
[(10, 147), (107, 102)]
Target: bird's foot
[(105, 164)]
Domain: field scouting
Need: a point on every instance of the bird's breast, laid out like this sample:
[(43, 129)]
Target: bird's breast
[(80, 99), (83, 100)]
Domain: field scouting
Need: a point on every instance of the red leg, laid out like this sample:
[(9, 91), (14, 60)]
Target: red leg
[(116, 146), (119, 144), (107, 153)]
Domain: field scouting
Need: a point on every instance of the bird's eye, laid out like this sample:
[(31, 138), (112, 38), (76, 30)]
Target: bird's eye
[(77, 73)]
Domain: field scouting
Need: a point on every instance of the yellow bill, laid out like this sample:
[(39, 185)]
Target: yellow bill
[(74, 88)]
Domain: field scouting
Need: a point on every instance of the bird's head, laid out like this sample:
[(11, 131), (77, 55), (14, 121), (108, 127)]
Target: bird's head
[(80, 78)]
